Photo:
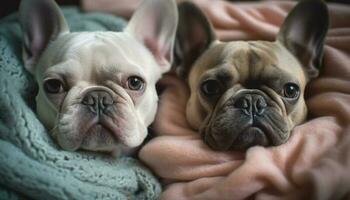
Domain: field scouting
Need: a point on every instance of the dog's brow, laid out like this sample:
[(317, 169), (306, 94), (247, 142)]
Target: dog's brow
[(61, 71), (66, 76), (263, 49), (224, 75), (254, 57)]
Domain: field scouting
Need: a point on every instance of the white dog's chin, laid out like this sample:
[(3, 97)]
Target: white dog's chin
[(120, 129), (100, 136)]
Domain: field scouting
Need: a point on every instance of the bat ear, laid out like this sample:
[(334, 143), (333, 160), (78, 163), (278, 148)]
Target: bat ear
[(41, 22), (303, 33), (154, 24), (195, 34)]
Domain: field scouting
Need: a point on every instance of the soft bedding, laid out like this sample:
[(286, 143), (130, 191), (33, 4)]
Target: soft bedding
[(313, 164)]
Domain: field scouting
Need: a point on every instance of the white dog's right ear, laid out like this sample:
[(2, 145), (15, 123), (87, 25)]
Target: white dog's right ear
[(154, 24), (41, 22)]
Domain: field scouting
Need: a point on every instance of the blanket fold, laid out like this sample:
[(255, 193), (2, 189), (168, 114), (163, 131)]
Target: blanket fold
[(31, 165), (313, 164)]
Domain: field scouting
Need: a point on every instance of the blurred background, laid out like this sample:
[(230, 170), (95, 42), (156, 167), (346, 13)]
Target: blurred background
[(122, 8)]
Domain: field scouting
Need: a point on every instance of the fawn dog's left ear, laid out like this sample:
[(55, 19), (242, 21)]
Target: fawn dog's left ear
[(303, 33)]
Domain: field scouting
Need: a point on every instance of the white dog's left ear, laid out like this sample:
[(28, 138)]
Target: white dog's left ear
[(154, 24)]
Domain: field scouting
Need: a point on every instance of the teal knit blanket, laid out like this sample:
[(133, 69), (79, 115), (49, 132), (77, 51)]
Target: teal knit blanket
[(32, 166)]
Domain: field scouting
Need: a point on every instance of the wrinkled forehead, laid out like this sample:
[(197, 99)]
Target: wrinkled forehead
[(99, 53), (249, 61)]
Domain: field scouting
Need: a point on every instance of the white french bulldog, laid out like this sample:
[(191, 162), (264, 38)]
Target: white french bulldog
[(97, 89)]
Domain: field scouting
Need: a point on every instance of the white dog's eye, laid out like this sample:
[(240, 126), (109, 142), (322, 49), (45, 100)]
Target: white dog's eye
[(53, 86), (291, 90), (135, 83)]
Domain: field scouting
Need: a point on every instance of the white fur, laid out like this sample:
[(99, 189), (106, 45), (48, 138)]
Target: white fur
[(100, 61)]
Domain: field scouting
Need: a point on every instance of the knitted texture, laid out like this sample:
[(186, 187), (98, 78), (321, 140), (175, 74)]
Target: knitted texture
[(32, 166)]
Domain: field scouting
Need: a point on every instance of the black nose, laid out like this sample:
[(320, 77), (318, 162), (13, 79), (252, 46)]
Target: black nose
[(98, 101), (251, 104)]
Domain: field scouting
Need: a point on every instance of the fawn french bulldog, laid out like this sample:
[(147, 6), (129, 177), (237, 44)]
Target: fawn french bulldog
[(247, 93), (97, 89)]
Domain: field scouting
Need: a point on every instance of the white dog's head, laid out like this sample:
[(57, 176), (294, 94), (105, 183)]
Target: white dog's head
[(97, 89)]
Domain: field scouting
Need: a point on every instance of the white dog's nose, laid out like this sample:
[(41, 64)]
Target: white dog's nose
[(98, 101)]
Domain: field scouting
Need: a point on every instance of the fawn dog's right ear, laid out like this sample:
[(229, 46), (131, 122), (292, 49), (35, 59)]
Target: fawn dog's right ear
[(194, 35)]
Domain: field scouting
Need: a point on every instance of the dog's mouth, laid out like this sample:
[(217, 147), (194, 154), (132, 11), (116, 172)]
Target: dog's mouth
[(96, 134), (100, 136), (251, 136), (242, 132), (100, 129), (261, 133)]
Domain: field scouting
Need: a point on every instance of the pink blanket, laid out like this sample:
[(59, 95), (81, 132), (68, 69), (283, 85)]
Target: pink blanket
[(314, 163)]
